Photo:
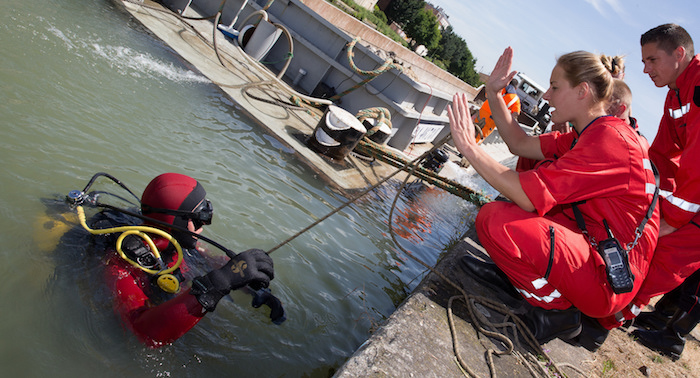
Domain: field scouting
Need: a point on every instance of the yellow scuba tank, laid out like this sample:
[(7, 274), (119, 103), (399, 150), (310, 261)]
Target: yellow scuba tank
[(48, 229)]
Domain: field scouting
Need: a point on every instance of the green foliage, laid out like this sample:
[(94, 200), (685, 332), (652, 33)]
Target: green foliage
[(403, 11), (437, 62), (608, 367), (424, 29), (380, 15)]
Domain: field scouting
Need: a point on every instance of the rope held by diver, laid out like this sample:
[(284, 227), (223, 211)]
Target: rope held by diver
[(350, 201)]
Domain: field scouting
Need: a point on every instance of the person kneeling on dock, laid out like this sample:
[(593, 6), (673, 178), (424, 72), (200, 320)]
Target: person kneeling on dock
[(578, 236)]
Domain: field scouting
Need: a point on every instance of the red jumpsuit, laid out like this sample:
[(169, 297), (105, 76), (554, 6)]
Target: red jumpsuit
[(676, 152), (544, 254), (154, 324), (526, 164)]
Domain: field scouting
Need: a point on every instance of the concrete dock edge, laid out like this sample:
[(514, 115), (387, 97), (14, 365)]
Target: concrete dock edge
[(416, 341)]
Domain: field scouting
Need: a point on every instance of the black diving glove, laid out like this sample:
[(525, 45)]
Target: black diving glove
[(265, 297), (252, 267)]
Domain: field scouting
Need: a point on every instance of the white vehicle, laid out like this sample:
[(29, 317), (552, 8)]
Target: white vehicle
[(534, 109)]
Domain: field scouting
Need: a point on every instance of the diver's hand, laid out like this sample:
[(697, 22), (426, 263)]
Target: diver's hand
[(265, 297), (252, 267)]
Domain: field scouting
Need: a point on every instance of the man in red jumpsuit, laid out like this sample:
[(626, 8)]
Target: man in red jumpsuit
[(158, 318), (669, 60)]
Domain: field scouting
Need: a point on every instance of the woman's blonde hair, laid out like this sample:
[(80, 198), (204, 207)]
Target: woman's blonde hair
[(614, 64), (584, 67)]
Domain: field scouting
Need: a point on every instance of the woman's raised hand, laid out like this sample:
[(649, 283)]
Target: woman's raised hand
[(461, 125), (501, 74)]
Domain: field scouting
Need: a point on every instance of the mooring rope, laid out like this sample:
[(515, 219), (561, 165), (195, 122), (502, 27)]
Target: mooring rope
[(382, 115), (369, 148), (371, 75)]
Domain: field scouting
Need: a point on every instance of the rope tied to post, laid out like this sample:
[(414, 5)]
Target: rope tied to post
[(382, 115)]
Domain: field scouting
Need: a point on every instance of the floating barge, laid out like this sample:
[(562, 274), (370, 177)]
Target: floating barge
[(270, 94)]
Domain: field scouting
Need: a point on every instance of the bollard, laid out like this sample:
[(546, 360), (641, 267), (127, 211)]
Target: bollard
[(383, 133), (337, 134)]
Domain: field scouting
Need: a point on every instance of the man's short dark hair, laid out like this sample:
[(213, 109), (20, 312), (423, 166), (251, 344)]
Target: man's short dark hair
[(669, 37)]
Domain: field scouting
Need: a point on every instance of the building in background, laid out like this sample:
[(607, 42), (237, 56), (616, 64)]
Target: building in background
[(442, 17), (367, 4)]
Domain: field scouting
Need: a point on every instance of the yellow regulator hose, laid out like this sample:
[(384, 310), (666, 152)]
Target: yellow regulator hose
[(141, 232)]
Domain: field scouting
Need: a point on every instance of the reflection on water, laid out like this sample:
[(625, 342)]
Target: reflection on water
[(86, 90)]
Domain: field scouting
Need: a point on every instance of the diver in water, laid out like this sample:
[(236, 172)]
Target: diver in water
[(151, 303)]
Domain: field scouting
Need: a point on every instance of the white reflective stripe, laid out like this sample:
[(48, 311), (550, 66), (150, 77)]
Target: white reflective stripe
[(665, 193), (634, 309), (539, 283), (512, 102), (678, 113), (547, 298), (651, 188), (683, 204)]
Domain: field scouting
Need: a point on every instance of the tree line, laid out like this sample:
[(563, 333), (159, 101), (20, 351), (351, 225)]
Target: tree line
[(445, 48)]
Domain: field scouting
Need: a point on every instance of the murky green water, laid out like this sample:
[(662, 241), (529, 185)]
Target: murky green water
[(86, 89)]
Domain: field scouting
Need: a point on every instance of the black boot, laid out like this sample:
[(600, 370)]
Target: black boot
[(489, 274), (547, 325), (592, 335), (664, 310), (670, 340)]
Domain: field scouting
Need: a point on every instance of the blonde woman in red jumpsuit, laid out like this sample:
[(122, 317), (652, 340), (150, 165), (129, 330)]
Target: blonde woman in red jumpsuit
[(534, 240)]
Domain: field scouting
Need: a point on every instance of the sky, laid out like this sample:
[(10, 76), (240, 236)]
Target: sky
[(539, 31)]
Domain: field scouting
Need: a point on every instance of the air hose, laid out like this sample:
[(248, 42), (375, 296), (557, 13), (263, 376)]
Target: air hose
[(166, 280)]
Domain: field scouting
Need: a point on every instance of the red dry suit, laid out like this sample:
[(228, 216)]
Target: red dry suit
[(544, 253), (526, 164), (676, 152), (136, 302)]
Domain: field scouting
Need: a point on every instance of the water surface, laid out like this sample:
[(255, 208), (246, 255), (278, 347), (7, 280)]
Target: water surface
[(86, 89)]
